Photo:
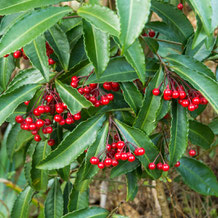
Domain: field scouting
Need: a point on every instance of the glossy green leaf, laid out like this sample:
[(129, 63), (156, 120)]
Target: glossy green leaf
[(10, 101), (200, 134), (14, 6), (147, 116), (7, 66), (132, 186), (140, 139), (132, 96), (64, 173), (22, 204), (163, 109), (74, 35), (175, 18), (133, 15), (101, 17), (57, 39), (22, 139), (71, 97), (40, 177), (30, 27), (178, 133), (54, 201), (74, 144), (124, 167), (207, 86), (66, 194), (118, 70), (97, 47), (69, 24), (91, 212), (198, 176), (36, 52)]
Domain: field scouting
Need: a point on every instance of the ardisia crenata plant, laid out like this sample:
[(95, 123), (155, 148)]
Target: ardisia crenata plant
[(113, 88)]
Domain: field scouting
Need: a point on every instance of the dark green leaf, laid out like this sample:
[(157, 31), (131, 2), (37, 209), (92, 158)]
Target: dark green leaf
[(132, 186), (22, 139), (163, 109), (214, 125), (74, 35), (152, 44), (66, 195), (69, 24)]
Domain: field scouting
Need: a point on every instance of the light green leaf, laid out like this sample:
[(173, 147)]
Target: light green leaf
[(97, 47), (72, 98), (101, 17), (30, 27), (73, 145), (133, 16), (54, 201), (178, 133)]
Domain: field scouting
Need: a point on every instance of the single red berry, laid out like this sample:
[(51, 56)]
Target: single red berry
[(196, 100), (57, 118), (74, 84), (32, 126), (156, 91), (77, 116), (107, 86), (151, 166), (192, 152), (47, 109), (114, 145), (49, 129), (94, 160), (59, 110), (51, 61), (114, 162), (124, 156), (37, 138), (39, 123), (19, 119), (26, 102), (41, 109), (110, 96), (166, 98), (101, 165), (185, 103), (177, 164), (175, 94), (86, 150), (34, 132), (93, 99), (117, 156), (140, 151), (6, 55), (49, 98), (144, 34), (93, 85), (51, 142), (115, 85), (17, 54), (120, 144), (44, 131), (180, 6), (182, 94), (131, 158), (107, 162), (97, 104), (165, 167), (62, 122), (116, 137), (151, 33), (180, 101), (204, 101), (69, 120), (86, 90), (191, 107), (167, 92), (105, 101), (80, 90), (74, 79), (108, 147), (159, 166)]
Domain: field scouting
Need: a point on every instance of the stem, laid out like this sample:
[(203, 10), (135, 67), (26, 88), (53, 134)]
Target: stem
[(167, 41), (69, 17)]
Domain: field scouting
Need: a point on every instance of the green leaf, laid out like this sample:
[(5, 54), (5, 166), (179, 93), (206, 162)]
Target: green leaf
[(152, 44), (174, 18), (40, 177), (191, 63), (207, 86), (74, 144), (91, 212), (20, 110), (97, 47), (69, 24), (147, 116), (71, 97), (132, 186), (214, 14), (203, 8), (11, 100), (178, 133), (132, 96), (7, 66), (36, 52), (57, 39), (54, 201), (15, 6), (118, 70), (30, 27), (214, 125), (124, 167), (101, 17), (67, 190), (74, 35), (22, 139), (198, 176), (140, 139), (22, 204), (133, 16), (163, 109), (200, 134)]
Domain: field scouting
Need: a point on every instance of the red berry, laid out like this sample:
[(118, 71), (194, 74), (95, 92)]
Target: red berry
[(204, 101), (97, 104), (6, 55), (57, 118), (44, 130), (34, 132), (51, 61), (59, 110), (131, 158), (37, 138), (101, 165), (105, 101), (117, 156), (108, 147), (47, 109), (167, 93), (180, 6), (166, 98), (107, 162), (124, 156), (107, 86), (177, 164), (62, 122), (51, 142), (140, 151), (69, 120), (49, 98), (114, 145), (41, 109), (32, 126), (74, 79), (49, 129), (93, 99), (192, 152), (182, 94), (86, 90), (151, 33), (74, 84), (151, 166), (156, 91), (120, 144), (39, 123), (19, 119), (115, 85), (26, 102), (92, 85), (165, 167), (159, 166), (196, 100), (77, 116), (17, 54), (110, 96), (114, 162), (80, 90), (191, 107), (175, 94), (94, 160), (116, 137), (185, 103)]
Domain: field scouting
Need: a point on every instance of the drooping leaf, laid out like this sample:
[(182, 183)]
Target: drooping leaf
[(132, 186), (58, 40), (91, 212), (71, 97), (118, 70), (147, 116), (74, 144), (101, 17), (30, 27), (22, 203), (140, 139), (200, 134), (133, 15), (36, 52), (178, 133), (198, 176), (132, 96), (11, 100), (54, 201), (7, 66), (97, 47)]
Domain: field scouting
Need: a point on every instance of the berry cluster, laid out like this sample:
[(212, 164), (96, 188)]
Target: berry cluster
[(151, 34), (42, 117), (117, 150), (182, 91), (94, 93)]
